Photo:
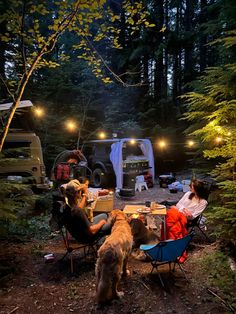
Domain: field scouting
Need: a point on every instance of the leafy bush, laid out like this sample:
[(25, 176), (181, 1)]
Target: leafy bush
[(35, 227), (17, 206)]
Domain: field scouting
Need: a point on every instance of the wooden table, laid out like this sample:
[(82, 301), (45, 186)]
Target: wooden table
[(159, 213)]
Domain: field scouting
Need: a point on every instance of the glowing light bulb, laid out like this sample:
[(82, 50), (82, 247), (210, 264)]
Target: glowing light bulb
[(132, 141), (190, 143), (39, 112), (102, 135), (71, 125), (162, 144), (218, 139)]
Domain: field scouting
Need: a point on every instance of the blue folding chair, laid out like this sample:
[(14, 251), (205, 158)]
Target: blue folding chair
[(167, 252)]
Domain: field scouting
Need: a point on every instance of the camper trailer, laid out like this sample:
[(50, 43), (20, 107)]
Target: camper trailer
[(119, 161)]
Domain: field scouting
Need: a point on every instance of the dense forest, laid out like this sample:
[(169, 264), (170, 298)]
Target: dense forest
[(156, 69), (146, 70)]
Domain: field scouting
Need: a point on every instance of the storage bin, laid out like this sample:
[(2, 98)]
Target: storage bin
[(104, 204)]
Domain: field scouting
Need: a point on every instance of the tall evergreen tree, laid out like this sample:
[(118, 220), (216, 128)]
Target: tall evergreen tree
[(212, 111)]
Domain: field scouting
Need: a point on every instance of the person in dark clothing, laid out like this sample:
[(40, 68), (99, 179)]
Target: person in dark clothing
[(74, 216), (69, 164), (70, 156)]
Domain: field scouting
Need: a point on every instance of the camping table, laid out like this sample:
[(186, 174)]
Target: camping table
[(159, 213)]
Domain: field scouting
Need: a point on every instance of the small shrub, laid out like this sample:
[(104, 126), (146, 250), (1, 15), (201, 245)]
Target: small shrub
[(216, 266)]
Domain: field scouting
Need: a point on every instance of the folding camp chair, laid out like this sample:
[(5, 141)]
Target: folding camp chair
[(196, 223), (71, 244), (167, 252), (71, 241)]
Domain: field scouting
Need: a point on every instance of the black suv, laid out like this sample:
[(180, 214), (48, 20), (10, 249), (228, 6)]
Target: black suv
[(97, 153)]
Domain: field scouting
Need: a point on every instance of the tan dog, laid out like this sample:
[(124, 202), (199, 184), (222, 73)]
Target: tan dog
[(113, 257)]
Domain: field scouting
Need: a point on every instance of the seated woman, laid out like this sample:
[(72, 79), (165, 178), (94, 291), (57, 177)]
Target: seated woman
[(75, 218), (193, 203), (189, 207)]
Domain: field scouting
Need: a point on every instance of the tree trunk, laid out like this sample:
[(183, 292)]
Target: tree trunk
[(202, 37), (176, 55), (166, 55), (188, 48), (3, 48), (159, 70)]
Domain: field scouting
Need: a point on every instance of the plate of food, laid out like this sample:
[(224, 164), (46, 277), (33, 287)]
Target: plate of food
[(145, 210), (159, 206)]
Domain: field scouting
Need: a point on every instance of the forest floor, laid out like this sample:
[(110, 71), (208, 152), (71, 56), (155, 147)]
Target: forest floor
[(33, 286)]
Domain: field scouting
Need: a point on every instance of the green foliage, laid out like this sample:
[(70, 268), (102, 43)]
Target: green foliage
[(35, 227), (212, 111), (16, 198), (17, 205), (216, 266), (34, 28)]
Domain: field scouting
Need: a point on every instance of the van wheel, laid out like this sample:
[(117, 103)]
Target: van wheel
[(98, 178)]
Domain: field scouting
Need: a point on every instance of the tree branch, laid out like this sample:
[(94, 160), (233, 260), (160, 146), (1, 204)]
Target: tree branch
[(25, 77), (22, 37), (117, 77)]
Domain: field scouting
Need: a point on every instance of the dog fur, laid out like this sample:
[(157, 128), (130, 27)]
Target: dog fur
[(141, 234), (113, 257)]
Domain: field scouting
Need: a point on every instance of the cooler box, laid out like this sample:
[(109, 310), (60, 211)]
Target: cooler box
[(104, 203), (165, 180)]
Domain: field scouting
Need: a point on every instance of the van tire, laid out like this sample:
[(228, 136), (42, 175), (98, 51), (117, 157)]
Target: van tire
[(98, 178)]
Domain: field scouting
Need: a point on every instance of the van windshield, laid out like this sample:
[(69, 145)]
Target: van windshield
[(16, 149)]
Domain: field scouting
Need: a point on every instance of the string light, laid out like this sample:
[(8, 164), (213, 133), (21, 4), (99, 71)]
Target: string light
[(102, 135), (190, 143), (39, 112), (162, 144), (218, 139), (71, 125), (132, 141)]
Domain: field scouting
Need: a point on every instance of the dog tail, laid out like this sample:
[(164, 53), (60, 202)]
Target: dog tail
[(105, 270)]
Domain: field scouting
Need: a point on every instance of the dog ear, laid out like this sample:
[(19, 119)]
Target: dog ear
[(111, 218)]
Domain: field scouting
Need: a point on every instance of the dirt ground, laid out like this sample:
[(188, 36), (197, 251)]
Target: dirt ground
[(34, 286)]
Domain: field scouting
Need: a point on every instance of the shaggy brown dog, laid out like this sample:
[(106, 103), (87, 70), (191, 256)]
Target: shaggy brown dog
[(113, 257), (141, 234)]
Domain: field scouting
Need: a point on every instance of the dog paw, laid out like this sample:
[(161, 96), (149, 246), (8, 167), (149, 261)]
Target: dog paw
[(126, 273), (120, 294)]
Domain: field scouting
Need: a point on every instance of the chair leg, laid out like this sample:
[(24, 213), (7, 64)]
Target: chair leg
[(61, 259), (162, 283), (206, 237), (71, 264), (182, 269)]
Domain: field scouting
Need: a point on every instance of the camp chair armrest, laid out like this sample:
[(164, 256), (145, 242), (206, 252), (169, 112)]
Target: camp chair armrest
[(146, 247)]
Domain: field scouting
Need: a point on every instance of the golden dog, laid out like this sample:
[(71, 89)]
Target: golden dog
[(113, 257)]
